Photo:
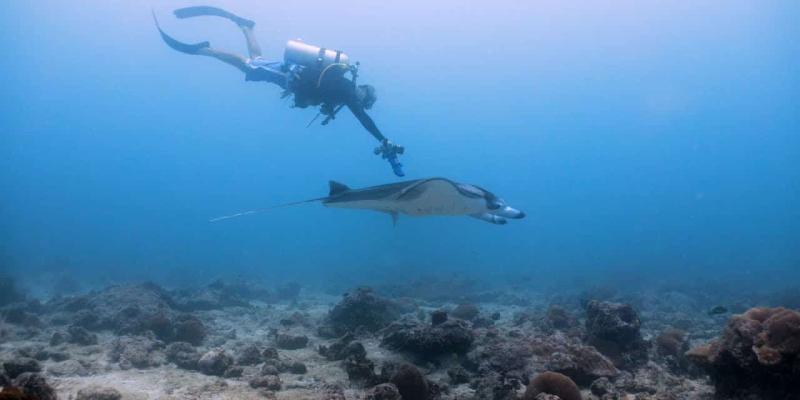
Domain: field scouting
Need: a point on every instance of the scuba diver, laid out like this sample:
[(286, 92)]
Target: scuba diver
[(316, 76)]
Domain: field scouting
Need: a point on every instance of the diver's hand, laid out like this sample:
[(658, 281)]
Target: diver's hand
[(389, 152), (388, 149)]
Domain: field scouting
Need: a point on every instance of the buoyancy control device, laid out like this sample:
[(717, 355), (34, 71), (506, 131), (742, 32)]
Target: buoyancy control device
[(318, 61)]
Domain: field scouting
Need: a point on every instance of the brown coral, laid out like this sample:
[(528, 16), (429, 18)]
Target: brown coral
[(465, 311), (702, 355), (757, 354), (671, 342), (410, 382), (613, 328), (12, 393), (782, 331), (552, 383), (558, 318)]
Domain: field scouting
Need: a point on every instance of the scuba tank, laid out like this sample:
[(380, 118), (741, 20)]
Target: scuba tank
[(310, 56)]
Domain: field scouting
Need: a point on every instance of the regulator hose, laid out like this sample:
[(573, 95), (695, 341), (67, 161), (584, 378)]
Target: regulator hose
[(325, 71)]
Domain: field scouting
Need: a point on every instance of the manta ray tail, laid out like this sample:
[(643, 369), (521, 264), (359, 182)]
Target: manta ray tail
[(260, 210)]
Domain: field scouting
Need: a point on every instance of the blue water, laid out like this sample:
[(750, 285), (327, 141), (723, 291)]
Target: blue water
[(655, 137)]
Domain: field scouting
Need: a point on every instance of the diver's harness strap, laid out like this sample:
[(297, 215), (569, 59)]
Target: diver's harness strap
[(326, 109)]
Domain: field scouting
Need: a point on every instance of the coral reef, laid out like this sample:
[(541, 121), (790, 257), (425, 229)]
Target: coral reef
[(18, 314), (438, 317), (361, 309), (136, 352), (559, 318), (215, 362), (68, 368), (188, 328), (458, 374), (33, 386), (269, 382), (249, 355), (757, 354), (601, 387), (614, 329), (552, 383), (21, 365), (332, 392), (566, 355), (138, 340), (410, 383), (495, 386), (75, 335), (672, 344), (98, 393), (465, 311), (360, 369), (342, 348), (452, 336), (384, 391), (507, 357), (125, 309), (290, 342), (182, 354)]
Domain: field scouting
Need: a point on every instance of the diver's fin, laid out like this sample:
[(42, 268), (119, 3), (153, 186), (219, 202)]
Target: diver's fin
[(187, 48), (337, 188), (199, 11), (260, 210)]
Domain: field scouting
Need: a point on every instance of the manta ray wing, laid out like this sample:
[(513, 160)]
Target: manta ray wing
[(438, 196), (417, 188)]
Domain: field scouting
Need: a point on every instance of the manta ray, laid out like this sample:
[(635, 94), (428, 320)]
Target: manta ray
[(418, 198)]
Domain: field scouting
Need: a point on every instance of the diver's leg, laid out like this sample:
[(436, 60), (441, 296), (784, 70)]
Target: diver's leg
[(267, 72), (226, 57), (253, 47)]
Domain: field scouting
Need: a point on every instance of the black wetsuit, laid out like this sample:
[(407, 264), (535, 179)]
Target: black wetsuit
[(332, 91), (335, 90)]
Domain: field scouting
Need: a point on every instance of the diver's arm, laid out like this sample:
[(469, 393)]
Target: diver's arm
[(366, 121), (387, 150)]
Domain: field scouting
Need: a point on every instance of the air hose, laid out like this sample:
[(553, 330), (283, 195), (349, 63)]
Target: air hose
[(325, 70)]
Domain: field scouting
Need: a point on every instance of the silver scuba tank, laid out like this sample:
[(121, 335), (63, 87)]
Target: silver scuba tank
[(310, 56)]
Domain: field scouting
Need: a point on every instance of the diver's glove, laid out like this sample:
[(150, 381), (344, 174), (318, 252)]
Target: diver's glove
[(389, 152)]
